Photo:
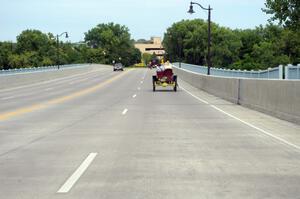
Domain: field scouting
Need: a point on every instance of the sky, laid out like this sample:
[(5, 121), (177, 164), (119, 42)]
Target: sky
[(144, 18)]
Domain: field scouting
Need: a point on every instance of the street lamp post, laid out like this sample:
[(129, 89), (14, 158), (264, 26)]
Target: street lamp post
[(209, 9), (57, 41)]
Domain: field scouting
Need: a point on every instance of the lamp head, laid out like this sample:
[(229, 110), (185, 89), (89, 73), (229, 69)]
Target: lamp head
[(191, 10), (67, 36)]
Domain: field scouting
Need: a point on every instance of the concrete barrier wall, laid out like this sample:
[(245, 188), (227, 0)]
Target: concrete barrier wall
[(280, 98), (226, 88)]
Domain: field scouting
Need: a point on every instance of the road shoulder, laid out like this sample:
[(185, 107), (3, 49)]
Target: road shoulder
[(279, 128)]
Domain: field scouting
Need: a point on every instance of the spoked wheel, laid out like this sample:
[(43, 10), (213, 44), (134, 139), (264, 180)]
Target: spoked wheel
[(175, 80), (153, 82)]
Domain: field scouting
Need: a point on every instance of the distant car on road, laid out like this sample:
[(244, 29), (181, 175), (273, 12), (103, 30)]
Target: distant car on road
[(118, 66)]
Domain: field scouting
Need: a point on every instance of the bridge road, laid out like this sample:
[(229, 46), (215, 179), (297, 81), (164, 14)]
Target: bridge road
[(109, 136)]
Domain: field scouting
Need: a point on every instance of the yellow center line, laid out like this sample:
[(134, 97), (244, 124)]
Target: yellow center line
[(35, 107)]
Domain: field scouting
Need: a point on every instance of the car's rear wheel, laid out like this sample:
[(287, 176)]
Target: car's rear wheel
[(153, 82), (175, 81)]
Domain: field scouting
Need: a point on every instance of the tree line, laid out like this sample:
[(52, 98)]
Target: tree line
[(259, 48), (103, 44)]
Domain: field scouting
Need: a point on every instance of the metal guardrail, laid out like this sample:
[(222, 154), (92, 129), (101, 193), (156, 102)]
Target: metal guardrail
[(39, 69), (292, 72), (271, 73)]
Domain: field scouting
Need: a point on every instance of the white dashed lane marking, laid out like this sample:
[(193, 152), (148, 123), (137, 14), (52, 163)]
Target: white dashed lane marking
[(125, 111), (67, 186)]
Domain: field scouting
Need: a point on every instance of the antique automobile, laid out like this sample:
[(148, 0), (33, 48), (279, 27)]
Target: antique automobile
[(164, 78)]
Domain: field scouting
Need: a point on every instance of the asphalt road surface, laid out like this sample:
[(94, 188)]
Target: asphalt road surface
[(106, 135)]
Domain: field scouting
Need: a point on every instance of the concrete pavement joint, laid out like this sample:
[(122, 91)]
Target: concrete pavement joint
[(67, 186), (244, 122)]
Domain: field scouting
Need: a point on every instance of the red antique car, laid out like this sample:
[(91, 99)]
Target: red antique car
[(164, 78)]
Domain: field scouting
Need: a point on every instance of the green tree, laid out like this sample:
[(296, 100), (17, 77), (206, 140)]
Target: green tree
[(135, 56), (6, 49), (95, 55), (33, 59), (46, 61), (173, 40), (32, 40), (226, 46), (114, 40), (19, 61), (39, 48), (286, 11), (248, 39), (262, 48), (290, 45), (146, 58), (187, 41), (71, 53)]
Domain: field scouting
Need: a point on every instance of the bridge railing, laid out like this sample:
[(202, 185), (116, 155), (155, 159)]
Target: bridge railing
[(292, 72), (38, 69), (271, 73)]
